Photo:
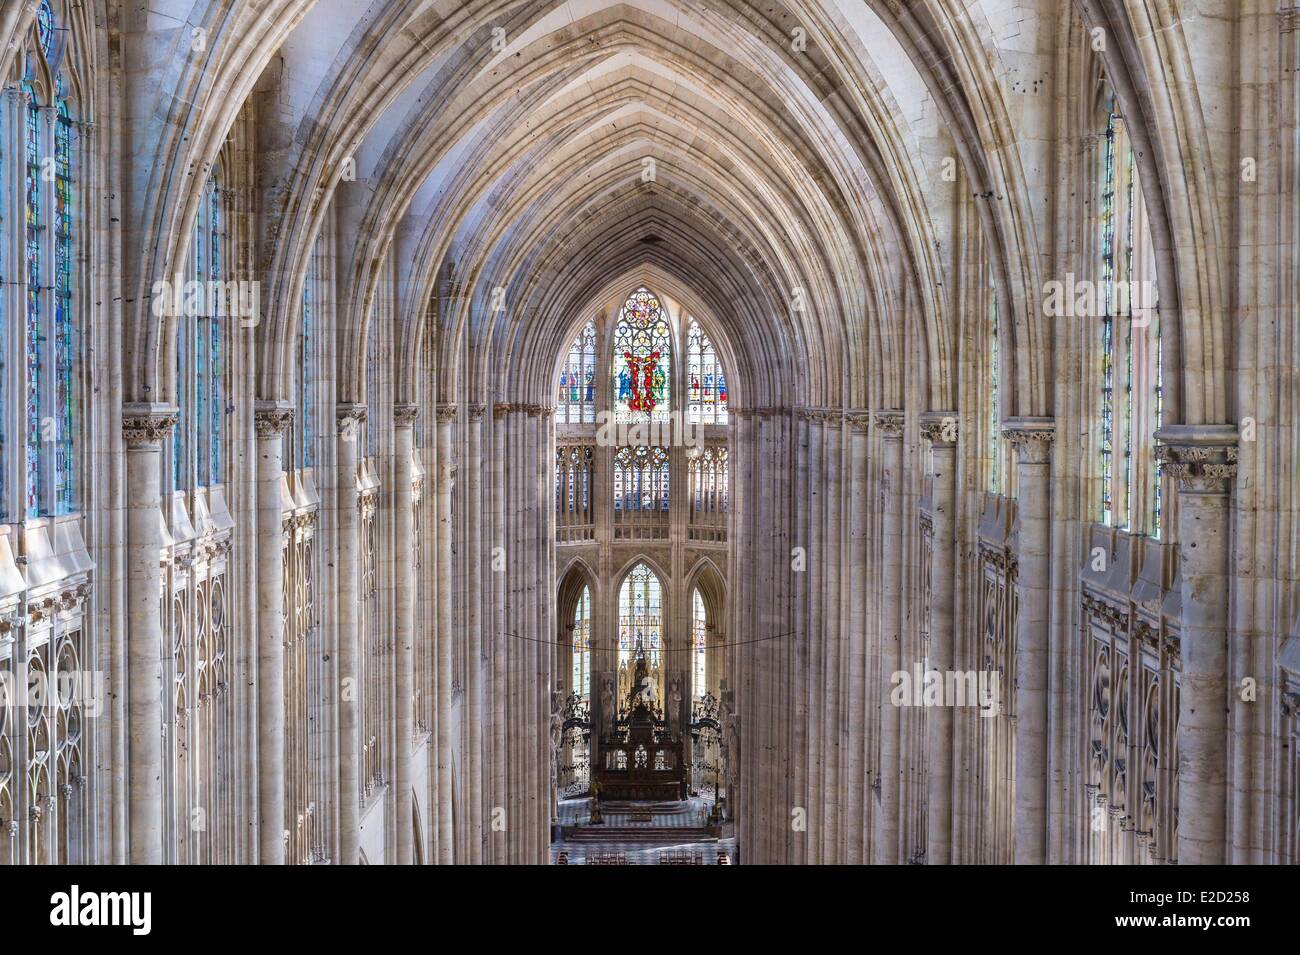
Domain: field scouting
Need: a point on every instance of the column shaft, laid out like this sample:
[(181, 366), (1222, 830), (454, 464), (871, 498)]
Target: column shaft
[(144, 428), (271, 419), (1032, 438)]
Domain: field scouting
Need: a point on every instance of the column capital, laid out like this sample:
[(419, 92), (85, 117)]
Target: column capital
[(939, 427), (1202, 457), (889, 422), (446, 413), (858, 419), (501, 409), (146, 424), (351, 411), (1031, 437), (271, 418), (476, 410), (404, 415)]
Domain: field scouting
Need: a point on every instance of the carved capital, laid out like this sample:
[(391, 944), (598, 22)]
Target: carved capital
[(446, 413), (145, 426), (939, 427), (501, 409), (890, 423), (546, 411), (350, 415), (271, 418), (857, 419), (476, 411), (1031, 437), (1203, 458), (404, 415)]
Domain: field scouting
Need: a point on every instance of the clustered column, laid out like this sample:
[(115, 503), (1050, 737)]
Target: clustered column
[(889, 425), (445, 638), (404, 588), (940, 430), (350, 419), (271, 418), (1032, 440), (1203, 459), (144, 427)]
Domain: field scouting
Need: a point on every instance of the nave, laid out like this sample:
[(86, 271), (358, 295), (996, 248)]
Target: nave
[(868, 423)]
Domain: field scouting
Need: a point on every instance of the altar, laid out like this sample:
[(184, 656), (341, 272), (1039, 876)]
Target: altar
[(642, 758)]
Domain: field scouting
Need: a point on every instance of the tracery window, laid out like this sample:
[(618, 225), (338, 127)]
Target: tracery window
[(699, 645), (706, 385), (995, 442), (574, 490), (202, 334), (51, 217), (307, 354), (641, 480), (708, 471), (642, 359), (576, 401), (1131, 394), (640, 616), (582, 645)]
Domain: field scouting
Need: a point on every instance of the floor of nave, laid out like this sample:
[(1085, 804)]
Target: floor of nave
[(641, 833)]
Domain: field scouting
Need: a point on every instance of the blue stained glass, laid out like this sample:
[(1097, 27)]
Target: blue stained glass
[(1159, 402), (45, 26), (307, 369), (1108, 323), (995, 406), (35, 337), (4, 351), (180, 442), (201, 400), (217, 356), (66, 332)]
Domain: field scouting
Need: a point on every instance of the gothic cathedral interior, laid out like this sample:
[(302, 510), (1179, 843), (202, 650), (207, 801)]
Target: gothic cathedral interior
[(619, 432)]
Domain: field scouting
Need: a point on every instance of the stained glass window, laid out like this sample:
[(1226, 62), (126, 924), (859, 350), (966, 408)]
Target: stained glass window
[(1108, 262), (35, 326), (640, 615), (372, 388), (50, 334), (706, 385), (995, 394), (218, 319), (304, 429), (582, 645), (66, 345), (699, 644), (1158, 399), (708, 471), (45, 26), (1131, 398), (642, 359), (201, 347), (576, 400), (641, 479)]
